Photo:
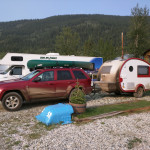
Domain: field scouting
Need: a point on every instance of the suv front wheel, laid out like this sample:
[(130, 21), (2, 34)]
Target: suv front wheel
[(12, 101)]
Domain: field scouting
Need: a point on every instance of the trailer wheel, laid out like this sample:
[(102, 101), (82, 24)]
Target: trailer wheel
[(139, 93), (12, 101)]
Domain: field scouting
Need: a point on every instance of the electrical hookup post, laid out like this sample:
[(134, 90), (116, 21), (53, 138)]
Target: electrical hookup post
[(122, 44)]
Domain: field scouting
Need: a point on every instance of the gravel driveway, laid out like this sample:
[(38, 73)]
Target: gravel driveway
[(20, 130)]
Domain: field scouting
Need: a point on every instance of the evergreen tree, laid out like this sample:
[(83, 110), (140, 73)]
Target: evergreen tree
[(139, 30), (67, 42), (105, 49), (89, 47)]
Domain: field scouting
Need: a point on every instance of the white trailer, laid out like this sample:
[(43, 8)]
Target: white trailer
[(14, 65), (125, 76)]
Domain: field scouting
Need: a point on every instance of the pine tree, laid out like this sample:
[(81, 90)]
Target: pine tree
[(139, 30), (67, 42)]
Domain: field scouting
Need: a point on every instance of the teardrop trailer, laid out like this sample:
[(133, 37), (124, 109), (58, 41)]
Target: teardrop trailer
[(125, 76)]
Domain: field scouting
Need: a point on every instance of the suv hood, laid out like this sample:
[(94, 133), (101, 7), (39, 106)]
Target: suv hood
[(11, 81)]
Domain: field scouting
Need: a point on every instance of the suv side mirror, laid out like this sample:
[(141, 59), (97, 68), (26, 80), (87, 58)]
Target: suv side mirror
[(38, 79)]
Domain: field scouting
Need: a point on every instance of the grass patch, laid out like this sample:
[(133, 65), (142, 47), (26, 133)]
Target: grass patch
[(17, 142), (109, 108), (42, 126), (34, 136), (26, 146), (1, 123), (7, 140), (132, 143), (11, 131), (13, 144)]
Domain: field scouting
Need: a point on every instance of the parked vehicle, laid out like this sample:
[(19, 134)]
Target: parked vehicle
[(44, 84), (125, 76), (14, 65)]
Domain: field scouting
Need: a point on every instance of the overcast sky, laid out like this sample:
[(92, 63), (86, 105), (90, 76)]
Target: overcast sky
[(11, 10)]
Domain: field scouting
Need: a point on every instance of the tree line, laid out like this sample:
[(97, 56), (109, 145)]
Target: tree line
[(88, 35)]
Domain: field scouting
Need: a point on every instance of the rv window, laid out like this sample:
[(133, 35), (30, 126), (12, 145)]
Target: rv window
[(143, 70), (106, 69), (16, 58), (16, 71)]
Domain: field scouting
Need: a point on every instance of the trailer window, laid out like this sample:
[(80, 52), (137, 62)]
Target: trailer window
[(143, 70), (106, 69), (16, 58), (131, 68)]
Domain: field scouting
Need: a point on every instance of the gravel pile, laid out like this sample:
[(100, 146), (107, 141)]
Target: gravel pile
[(20, 130)]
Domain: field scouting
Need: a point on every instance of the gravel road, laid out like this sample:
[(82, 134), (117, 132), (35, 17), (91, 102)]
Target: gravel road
[(20, 130)]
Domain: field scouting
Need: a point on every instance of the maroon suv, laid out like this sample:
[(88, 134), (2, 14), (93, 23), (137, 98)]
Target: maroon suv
[(42, 84)]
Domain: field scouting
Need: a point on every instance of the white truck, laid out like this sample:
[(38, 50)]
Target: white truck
[(14, 65)]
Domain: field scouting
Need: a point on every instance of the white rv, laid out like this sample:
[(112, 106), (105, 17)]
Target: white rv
[(14, 65), (125, 76)]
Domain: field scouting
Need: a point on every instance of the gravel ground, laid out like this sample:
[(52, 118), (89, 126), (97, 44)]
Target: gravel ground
[(20, 130)]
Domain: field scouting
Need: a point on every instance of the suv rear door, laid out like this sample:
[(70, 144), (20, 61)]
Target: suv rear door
[(64, 82), (83, 79)]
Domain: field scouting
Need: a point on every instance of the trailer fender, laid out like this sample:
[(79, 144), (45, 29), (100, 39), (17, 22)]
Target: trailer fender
[(139, 85)]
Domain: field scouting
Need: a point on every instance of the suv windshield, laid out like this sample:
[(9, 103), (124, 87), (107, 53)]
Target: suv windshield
[(30, 75)]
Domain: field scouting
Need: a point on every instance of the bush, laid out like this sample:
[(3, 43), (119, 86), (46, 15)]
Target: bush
[(77, 96)]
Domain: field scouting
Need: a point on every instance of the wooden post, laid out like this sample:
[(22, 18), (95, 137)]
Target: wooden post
[(122, 45)]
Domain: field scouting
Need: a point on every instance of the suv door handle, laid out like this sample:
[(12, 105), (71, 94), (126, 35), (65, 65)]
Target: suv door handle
[(51, 83)]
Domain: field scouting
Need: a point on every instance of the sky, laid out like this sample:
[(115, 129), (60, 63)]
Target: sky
[(11, 10)]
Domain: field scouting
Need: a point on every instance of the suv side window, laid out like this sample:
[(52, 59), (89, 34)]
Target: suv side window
[(64, 75), (47, 76), (16, 71), (79, 74)]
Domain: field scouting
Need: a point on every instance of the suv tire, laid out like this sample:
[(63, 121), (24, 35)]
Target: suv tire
[(12, 101)]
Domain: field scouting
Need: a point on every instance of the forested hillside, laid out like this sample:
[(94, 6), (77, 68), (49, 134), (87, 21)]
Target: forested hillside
[(91, 35)]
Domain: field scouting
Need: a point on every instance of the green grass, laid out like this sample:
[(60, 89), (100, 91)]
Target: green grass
[(109, 108), (34, 136), (133, 142), (12, 131), (41, 126)]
